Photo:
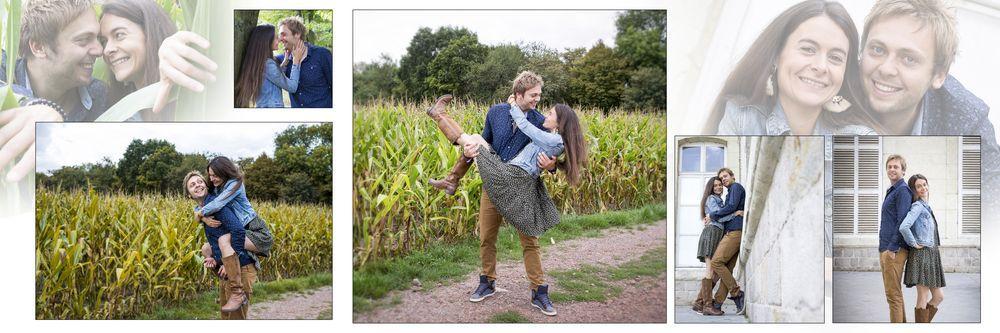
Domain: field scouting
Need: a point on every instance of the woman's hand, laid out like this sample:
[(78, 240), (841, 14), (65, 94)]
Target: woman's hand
[(510, 99), (209, 262), (738, 213), (209, 221), (704, 220), (471, 150), (546, 163), (177, 65), (300, 53), (17, 137), (222, 272), (918, 247)]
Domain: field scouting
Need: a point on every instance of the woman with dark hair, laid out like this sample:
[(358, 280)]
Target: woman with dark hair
[(220, 228), (133, 33), (226, 184), (923, 262), (261, 79), (800, 77), (711, 234), (515, 187)]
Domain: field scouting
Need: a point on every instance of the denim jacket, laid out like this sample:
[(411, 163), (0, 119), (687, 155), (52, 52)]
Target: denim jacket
[(274, 82), (541, 142), (714, 204), (749, 119), (237, 201), (919, 227)]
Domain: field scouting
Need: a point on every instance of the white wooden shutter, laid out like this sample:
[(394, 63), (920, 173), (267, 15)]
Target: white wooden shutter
[(971, 180)]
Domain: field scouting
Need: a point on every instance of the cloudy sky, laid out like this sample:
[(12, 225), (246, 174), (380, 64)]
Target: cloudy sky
[(64, 144), (390, 31)]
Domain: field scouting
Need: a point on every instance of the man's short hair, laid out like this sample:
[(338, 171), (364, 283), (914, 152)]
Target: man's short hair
[(726, 170), (42, 20), (930, 13), (526, 80), (902, 161), (295, 25)]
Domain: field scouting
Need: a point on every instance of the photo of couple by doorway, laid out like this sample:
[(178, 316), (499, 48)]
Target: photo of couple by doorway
[(509, 174), (184, 221)]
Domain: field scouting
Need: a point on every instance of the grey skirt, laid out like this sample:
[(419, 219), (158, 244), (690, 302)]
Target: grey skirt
[(923, 267), (709, 240), (258, 232), (520, 198)]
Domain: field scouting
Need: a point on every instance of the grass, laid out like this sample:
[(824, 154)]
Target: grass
[(508, 317), (590, 283), (204, 306), (444, 262)]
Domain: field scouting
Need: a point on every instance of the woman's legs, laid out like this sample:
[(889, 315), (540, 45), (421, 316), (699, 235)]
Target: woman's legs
[(937, 296), (206, 250), (455, 135), (226, 246), (709, 273), (923, 296)]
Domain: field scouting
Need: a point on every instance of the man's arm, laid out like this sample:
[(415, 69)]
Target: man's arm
[(903, 201), (735, 192)]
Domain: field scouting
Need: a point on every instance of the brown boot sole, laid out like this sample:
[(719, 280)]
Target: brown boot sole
[(443, 100)]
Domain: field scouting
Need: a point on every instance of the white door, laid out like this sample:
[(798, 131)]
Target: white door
[(698, 163)]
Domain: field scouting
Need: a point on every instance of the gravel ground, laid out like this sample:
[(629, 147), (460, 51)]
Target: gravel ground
[(641, 300), (296, 305)]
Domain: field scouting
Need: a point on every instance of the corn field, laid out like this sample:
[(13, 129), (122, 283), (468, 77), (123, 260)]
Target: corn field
[(397, 148), (112, 256)]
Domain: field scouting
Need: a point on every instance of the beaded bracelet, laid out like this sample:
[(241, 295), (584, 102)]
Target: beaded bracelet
[(51, 104)]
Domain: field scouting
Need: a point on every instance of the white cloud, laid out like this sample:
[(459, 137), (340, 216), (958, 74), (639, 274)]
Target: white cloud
[(65, 144), (390, 31)]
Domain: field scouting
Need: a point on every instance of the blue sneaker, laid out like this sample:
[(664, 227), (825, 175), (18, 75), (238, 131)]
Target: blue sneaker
[(486, 289), (738, 299), (540, 300)]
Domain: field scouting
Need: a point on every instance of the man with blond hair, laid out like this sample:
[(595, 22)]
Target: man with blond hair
[(891, 247), (316, 72), (507, 140)]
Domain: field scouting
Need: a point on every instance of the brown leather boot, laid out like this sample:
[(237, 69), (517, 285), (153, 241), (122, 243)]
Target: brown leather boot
[(931, 311), (710, 310), (234, 276), (450, 183), (447, 125), (704, 296), (920, 315)]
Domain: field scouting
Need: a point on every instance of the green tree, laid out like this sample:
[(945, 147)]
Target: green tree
[(374, 80), (130, 167), (157, 170), (490, 80), (642, 38), (264, 178), (555, 74), (646, 89), (413, 66), (447, 73), (598, 78)]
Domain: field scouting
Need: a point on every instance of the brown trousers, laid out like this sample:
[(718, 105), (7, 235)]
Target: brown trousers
[(892, 278), (249, 276), (489, 227), (723, 262)]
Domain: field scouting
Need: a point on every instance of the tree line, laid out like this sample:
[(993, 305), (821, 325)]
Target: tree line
[(300, 171), (630, 74)]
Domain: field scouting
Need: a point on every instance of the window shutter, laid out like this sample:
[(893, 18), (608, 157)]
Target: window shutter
[(971, 178)]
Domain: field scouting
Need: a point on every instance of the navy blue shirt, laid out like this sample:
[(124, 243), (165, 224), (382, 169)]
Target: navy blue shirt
[(230, 225), (735, 201), (315, 79), (503, 135), (897, 203)]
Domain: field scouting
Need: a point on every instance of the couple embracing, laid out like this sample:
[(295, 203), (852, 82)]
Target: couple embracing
[(304, 70), (518, 144), (719, 243)]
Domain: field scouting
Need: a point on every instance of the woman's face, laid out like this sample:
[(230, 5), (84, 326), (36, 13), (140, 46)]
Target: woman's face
[(922, 188), (124, 49), (551, 121), (811, 66), (717, 187), (196, 187), (216, 180)]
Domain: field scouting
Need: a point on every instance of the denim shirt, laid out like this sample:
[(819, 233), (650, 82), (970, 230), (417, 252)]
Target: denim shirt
[(898, 200), (274, 82), (230, 225), (541, 142), (919, 227), (751, 119), (316, 83), (735, 201), (237, 201), (714, 204), (503, 135)]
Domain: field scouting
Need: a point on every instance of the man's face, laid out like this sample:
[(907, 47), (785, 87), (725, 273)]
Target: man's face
[(726, 178), (894, 170), (529, 100), (897, 64), (76, 49), (287, 37)]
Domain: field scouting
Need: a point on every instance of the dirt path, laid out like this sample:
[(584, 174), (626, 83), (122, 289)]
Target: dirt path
[(309, 304), (641, 299)]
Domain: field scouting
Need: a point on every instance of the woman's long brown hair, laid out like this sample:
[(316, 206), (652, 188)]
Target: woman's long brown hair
[(224, 168), (258, 52), (746, 84), (575, 146), (709, 190)]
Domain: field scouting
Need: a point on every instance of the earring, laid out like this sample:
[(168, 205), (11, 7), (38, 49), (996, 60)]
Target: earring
[(769, 89), (837, 104)]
